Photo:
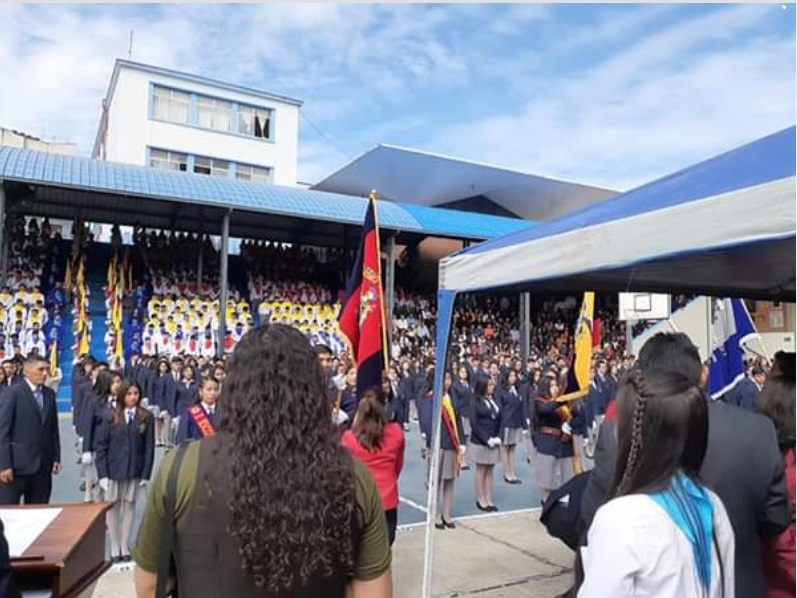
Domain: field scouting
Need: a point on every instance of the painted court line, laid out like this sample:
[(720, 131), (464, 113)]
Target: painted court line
[(410, 526), (413, 504)]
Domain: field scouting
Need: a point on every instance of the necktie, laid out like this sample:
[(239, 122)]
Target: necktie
[(131, 415), (37, 394)]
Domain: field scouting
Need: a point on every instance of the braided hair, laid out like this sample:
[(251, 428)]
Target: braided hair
[(637, 381)]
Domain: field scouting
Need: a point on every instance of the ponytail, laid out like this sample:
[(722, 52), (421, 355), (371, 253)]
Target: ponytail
[(370, 420)]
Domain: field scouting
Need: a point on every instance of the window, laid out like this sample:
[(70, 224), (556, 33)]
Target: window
[(214, 114), (211, 166), (256, 174), (170, 105), (254, 121), (168, 160)]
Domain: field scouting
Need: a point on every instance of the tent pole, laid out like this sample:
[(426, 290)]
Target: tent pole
[(200, 257), (629, 336), (525, 327), (223, 283)]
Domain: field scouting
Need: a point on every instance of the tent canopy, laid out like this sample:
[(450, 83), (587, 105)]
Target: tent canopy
[(723, 227)]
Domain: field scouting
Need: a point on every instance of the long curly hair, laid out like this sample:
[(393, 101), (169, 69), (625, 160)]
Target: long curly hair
[(292, 485)]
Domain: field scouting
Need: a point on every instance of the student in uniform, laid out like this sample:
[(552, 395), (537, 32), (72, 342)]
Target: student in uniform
[(451, 447), (186, 396), (513, 425), (485, 424), (200, 420), (159, 399), (552, 438), (125, 455), (96, 412)]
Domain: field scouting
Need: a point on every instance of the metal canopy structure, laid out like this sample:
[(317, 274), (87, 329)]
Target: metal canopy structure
[(409, 175), (67, 187)]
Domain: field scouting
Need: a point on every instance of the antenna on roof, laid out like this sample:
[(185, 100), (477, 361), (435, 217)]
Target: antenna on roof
[(130, 47)]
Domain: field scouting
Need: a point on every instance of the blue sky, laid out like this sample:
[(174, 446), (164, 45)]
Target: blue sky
[(612, 95)]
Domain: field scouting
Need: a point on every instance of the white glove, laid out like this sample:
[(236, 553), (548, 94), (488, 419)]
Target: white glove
[(526, 432), (462, 448), (104, 484), (87, 459), (566, 429), (143, 483), (528, 423)]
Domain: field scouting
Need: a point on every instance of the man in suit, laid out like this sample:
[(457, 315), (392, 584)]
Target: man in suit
[(747, 391), (10, 368), (30, 445), (743, 465)]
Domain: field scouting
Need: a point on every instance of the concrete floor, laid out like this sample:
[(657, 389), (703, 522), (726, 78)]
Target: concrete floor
[(491, 556)]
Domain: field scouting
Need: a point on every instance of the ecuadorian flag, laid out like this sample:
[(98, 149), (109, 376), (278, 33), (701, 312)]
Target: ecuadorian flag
[(578, 373)]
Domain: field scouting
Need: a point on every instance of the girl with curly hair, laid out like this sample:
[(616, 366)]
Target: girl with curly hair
[(272, 505)]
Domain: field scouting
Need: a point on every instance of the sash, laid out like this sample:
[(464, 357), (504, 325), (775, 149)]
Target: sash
[(201, 420), (450, 421)]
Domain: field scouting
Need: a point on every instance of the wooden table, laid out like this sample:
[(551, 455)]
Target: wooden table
[(69, 556)]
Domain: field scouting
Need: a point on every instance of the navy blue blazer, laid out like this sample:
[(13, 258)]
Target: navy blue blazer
[(425, 405), (167, 393), (513, 412), (485, 422), (29, 439), (348, 404), (79, 391), (185, 397), (547, 444), (187, 428), (95, 415), (461, 397), (745, 394), (126, 451)]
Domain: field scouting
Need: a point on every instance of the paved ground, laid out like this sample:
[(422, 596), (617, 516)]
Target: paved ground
[(507, 554), (489, 556)]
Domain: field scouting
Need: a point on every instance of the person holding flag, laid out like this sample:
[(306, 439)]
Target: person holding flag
[(362, 317)]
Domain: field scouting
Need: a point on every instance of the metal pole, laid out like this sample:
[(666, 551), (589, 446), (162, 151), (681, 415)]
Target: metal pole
[(390, 288), (629, 336), (223, 283), (3, 235), (201, 252), (525, 327)]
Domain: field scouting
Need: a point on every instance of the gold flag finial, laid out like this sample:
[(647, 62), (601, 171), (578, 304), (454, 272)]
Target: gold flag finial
[(373, 195)]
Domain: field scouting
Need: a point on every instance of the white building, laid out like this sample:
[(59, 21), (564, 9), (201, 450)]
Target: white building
[(13, 138), (167, 119)]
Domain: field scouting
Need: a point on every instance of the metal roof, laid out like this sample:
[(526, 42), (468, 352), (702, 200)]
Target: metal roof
[(70, 182), (409, 175)]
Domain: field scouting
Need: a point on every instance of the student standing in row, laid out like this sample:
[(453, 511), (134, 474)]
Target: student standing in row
[(485, 425), (200, 419), (95, 414), (552, 439), (125, 456), (513, 425)]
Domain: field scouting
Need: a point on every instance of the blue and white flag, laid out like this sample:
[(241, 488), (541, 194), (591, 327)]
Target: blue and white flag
[(732, 326)]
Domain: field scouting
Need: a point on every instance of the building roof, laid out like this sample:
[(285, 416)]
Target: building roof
[(156, 70), (111, 190), (409, 175)]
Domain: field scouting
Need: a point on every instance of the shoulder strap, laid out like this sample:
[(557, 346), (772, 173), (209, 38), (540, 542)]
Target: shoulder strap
[(167, 529)]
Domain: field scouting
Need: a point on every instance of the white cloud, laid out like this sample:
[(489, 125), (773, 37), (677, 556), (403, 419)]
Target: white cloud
[(646, 111)]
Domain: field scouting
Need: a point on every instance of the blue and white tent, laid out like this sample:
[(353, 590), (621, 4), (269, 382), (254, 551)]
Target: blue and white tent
[(724, 227)]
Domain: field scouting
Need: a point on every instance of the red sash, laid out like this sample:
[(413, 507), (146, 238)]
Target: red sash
[(201, 420)]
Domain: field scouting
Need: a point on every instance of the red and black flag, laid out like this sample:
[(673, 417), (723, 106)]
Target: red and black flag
[(362, 318)]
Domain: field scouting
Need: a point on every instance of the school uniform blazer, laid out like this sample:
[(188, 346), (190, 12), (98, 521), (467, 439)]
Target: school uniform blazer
[(425, 406), (167, 394), (185, 397), (188, 430), (79, 390), (126, 451), (94, 415), (485, 422), (348, 404), (512, 409), (29, 439), (546, 444), (461, 397)]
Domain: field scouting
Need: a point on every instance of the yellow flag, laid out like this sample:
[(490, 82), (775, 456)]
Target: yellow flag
[(578, 376), (83, 347), (68, 275), (53, 357)]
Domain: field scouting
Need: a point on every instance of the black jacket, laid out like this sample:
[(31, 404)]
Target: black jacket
[(29, 439), (743, 465), (126, 451), (513, 409)]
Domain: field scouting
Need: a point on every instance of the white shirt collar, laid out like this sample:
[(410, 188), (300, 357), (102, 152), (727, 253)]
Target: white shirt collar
[(33, 387), (208, 408)]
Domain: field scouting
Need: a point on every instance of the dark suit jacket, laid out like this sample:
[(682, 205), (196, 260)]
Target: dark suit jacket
[(484, 422), (126, 452), (29, 440), (185, 397), (82, 395), (167, 394), (187, 428), (743, 466), (8, 589), (744, 395), (93, 416), (513, 410)]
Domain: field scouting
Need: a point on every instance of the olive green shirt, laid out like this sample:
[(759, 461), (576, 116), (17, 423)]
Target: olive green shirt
[(374, 551)]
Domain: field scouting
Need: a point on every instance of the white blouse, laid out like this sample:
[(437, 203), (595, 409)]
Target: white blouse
[(635, 549)]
